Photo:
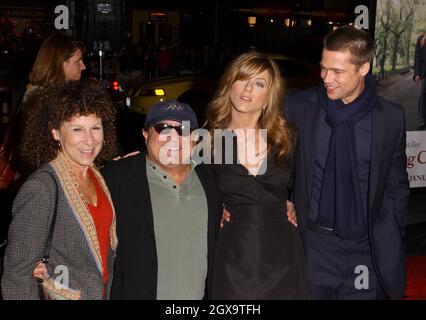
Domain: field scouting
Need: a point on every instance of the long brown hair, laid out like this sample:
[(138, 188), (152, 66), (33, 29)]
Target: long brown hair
[(247, 65), (48, 66)]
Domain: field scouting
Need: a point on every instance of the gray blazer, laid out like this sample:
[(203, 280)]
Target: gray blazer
[(32, 212)]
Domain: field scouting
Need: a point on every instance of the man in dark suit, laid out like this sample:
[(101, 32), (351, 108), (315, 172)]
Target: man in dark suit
[(419, 78), (168, 212), (351, 186)]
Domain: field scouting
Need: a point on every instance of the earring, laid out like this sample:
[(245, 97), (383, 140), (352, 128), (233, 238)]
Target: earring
[(58, 142)]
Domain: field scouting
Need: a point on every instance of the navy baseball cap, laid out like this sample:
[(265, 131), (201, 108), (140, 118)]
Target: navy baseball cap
[(171, 110)]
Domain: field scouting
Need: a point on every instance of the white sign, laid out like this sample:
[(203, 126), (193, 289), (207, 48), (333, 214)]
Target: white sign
[(416, 158)]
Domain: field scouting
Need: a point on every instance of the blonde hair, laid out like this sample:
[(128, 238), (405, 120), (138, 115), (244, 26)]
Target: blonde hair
[(48, 66), (280, 134)]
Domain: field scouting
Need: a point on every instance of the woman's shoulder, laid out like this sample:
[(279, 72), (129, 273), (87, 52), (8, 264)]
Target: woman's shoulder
[(39, 187), (43, 176)]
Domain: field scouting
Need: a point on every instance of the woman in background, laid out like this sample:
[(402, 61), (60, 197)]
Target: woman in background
[(59, 59), (419, 78)]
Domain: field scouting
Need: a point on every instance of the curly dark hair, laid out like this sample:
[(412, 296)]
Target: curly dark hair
[(48, 108)]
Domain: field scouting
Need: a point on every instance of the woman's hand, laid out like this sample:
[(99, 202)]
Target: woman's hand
[(40, 271)]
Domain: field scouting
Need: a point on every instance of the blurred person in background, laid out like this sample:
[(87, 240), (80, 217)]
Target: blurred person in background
[(420, 78)]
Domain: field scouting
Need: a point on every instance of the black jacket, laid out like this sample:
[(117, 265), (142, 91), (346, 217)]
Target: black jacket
[(388, 191), (420, 60), (135, 273)]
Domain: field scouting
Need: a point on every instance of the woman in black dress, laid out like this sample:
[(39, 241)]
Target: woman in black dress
[(259, 254)]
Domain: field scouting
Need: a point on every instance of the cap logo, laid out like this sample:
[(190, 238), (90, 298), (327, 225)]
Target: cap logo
[(174, 107)]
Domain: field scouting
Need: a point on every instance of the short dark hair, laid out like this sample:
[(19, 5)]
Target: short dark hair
[(357, 41), (48, 108)]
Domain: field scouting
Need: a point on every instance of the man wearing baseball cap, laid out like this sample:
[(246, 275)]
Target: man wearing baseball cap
[(168, 212)]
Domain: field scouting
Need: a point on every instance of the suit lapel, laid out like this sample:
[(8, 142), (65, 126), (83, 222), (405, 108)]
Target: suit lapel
[(378, 133), (138, 189), (206, 183), (310, 134)]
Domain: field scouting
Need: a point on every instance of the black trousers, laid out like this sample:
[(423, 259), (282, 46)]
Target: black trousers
[(340, 269)]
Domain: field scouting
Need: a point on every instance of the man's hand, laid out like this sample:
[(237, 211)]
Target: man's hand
[(291, 213), (417, 80), (40, 271), (125, 156), (226, 216)]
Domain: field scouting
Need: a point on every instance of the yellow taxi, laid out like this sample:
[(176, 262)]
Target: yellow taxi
[(197, 89)]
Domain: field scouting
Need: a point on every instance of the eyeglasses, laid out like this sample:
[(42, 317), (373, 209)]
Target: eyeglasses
[(165, 128)]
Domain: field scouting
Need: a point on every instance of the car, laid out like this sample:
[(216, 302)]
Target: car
[(297, 74), (197, 89)]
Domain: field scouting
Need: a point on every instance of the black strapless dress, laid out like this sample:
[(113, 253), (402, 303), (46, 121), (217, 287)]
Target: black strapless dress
[(259, 254)]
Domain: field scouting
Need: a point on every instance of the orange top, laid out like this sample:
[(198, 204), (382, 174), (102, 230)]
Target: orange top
[(102, 217)]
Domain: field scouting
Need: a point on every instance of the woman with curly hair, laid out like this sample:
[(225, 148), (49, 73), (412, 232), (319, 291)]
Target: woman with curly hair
[(68, 130), (259, 253)]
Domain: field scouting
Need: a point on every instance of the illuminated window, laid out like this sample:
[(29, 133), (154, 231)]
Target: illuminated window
[(157, 16), (287, 22), (251, 21)]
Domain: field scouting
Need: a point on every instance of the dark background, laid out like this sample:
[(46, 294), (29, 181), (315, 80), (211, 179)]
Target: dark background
[(215, 25)]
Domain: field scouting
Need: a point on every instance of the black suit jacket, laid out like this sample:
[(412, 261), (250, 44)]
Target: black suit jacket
[(388, 182), (135, 273), (420, 59)]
